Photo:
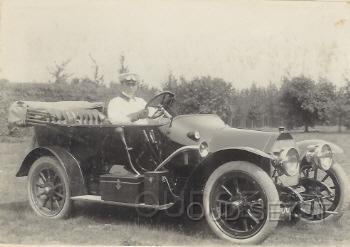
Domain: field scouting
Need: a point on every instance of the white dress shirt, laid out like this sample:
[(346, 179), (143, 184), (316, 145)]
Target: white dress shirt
[(120, 107)]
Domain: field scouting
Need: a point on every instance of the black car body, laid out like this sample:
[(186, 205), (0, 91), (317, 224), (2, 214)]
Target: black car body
[(244, 181)]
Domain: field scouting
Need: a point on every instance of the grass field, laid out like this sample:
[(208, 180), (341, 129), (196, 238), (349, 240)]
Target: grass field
[(97, 224)]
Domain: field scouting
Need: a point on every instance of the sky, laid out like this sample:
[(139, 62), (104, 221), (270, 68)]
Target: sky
[(243, 42)]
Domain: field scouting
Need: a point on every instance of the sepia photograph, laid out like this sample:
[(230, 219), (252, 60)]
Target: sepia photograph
[(174, 123)]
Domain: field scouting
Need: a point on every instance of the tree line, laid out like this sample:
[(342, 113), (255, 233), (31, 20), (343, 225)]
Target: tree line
[(298, 102)]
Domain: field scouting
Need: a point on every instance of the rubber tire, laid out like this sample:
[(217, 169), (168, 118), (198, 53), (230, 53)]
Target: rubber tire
[(343, 181), (265, 182), (54, 163)]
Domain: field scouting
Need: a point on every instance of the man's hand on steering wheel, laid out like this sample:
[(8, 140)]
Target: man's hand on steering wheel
[(139, 115)]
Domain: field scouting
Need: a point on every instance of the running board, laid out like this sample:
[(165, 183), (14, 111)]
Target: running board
[(92, 198)]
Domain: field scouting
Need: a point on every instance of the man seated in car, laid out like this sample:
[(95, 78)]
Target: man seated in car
[(127, 108)]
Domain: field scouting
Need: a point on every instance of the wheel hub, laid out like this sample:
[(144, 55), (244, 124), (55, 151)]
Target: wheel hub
[(315, 188), (49, 189)]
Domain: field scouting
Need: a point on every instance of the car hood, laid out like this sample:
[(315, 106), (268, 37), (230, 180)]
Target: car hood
[(232, 137), (208, 125), (218, 135)]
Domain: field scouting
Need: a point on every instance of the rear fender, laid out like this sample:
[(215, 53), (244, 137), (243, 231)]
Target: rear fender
[(201, 173), (69, 163)]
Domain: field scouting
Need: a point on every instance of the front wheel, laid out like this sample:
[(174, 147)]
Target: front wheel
[(326, 194), (241, 203), (48, 188)]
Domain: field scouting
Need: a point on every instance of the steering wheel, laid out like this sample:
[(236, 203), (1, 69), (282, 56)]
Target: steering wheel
[(166, 100)]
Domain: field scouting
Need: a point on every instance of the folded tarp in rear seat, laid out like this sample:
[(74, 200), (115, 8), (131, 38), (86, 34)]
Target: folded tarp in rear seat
[(23, 113)]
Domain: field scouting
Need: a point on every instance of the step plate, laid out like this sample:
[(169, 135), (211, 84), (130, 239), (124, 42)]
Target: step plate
[(93, 198)]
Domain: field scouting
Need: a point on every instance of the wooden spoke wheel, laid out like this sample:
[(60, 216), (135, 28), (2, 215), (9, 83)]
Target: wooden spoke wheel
[(48, 188), (238, 198), (325, 193)]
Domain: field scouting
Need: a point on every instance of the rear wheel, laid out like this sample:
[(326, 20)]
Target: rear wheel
[(48, 188), (241, 203)]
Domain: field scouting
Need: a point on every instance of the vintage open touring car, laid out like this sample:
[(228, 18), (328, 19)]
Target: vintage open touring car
[(243, 180)]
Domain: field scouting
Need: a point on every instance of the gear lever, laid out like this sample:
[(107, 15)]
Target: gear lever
[(120, 131)]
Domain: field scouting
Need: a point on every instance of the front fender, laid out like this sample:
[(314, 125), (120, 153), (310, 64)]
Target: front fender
[(69, 163), (302, 145), (200, 174)]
